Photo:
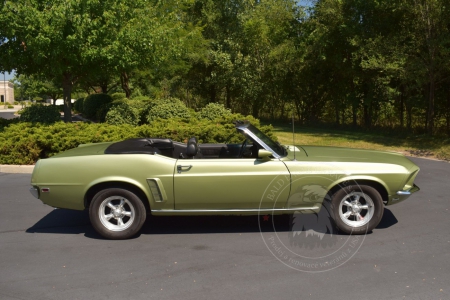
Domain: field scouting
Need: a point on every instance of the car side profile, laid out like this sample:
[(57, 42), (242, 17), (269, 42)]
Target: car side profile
[(120, 183)]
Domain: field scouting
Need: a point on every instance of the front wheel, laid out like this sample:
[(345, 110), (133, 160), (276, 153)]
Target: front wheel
[(117, 213), (357, 209)]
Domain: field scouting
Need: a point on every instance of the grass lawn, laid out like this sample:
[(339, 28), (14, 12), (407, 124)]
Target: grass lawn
[(412, 145)]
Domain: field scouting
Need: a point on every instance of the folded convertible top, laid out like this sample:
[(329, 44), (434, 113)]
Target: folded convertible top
[(141, 146)]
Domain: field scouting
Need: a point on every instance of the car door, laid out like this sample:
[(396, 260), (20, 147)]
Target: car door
[(230, 183)]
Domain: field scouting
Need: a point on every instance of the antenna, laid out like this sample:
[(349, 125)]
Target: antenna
[(293, 134)]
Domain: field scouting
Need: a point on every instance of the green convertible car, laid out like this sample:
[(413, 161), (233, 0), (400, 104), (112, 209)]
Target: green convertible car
[(122, 182)]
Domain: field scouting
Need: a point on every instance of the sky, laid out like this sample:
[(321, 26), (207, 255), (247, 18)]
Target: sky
[(8, 76)]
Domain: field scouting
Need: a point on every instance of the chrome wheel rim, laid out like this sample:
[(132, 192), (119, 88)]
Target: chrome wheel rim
[(116, 213), (356, 209)]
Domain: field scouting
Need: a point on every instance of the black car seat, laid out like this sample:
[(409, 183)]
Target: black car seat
[(192, 147)]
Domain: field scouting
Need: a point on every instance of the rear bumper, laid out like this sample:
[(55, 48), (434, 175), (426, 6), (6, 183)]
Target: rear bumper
[(35, 192)]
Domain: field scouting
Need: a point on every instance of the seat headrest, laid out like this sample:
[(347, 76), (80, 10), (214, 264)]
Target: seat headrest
[(192, 147)]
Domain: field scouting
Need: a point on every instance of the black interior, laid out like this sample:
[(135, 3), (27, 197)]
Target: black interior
[(189, 150)]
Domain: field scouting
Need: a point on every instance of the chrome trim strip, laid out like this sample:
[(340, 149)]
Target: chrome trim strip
[(264, 210), (35, 192), (404, 193), (408, 192), (259, 141), (159, 191)]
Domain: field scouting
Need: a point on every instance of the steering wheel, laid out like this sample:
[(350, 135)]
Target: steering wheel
[(244, 145)]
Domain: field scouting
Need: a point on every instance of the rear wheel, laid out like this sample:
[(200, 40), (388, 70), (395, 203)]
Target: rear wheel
[(357, 209), (117, 213)]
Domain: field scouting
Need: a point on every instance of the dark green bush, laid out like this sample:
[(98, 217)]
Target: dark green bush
[(78, 105), (141, 98), (118, 96), (40, 113), (4, 122), (163, 109), (103, 110), (214, 111), (140, 105), (100, 115), (122, 113), (93, 103), (25, 143)]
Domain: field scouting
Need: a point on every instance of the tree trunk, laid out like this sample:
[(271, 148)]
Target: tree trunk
[(282, 110), (408, 116), (212, 93), (255, 110), (401, 109), (297, 108), (367, 116), (448, 114), (337, 114), (104, 87), (430, 115), (228, 97), (67, 96), (354, 119), (125, 82)]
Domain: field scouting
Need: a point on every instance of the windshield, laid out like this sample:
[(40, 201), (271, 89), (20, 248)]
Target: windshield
[(265, 139)]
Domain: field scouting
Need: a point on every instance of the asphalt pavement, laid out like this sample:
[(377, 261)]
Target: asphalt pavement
[(51, 253), (8, 115)]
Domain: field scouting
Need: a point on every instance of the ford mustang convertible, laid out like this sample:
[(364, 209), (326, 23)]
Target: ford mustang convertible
[(123, 182)]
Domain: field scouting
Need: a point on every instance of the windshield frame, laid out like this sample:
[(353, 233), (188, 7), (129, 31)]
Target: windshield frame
[(263, 140)]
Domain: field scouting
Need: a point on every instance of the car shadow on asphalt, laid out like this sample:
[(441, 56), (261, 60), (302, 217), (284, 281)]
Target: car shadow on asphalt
[(62, 221), (388, 220)]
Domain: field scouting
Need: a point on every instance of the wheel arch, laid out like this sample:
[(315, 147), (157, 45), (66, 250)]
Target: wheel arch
[(369, 182), (94, 189)]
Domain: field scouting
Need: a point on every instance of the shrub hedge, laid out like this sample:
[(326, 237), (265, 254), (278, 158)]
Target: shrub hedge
[(40, 113), (92, 104), (118, 96), (5, 123), (166, 109), (25, 143), (122, 113), (214, 111), (78, 105)]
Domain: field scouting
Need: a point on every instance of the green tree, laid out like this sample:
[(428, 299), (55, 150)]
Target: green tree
[(66, 40)]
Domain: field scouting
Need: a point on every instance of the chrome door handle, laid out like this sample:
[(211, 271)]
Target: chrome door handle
[(180, 168)]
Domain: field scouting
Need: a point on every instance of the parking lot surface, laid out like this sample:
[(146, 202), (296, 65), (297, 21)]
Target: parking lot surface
[(51, 253)]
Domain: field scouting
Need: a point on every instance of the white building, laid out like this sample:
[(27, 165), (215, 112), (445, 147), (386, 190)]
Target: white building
[(6, 92), (58, 101)]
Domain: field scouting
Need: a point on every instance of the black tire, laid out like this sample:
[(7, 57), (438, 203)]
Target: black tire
[(364, 212), (124, 221)]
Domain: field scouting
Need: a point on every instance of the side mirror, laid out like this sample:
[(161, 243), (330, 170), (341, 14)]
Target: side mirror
[(264, 154)]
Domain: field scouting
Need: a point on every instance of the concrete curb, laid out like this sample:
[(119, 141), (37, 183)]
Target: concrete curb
[(15, 109), (24, 169)]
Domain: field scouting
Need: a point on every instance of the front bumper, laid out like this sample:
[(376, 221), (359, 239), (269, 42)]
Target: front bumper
[(408, 192), (403, 195)]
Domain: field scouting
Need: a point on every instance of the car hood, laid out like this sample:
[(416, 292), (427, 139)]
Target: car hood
[(340, 154)]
